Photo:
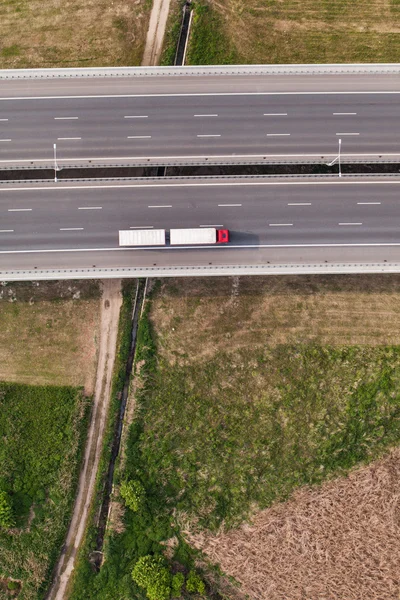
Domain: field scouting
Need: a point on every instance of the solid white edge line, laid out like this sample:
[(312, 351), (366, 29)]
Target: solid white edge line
[(202, 94), (216, 246), (205, 184)]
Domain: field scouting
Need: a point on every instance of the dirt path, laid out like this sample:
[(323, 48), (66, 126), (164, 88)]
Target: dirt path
[(111, 303), (155, 34)]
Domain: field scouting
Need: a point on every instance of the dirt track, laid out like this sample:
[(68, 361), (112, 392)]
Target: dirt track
[(155, 34), (110, 307)]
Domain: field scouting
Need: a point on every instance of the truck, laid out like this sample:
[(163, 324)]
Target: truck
[(142, 237), (157, 237), (202, 235)]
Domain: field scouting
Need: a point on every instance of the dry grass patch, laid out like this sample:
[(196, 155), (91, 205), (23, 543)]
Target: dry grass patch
[(296, 31), (36, 34), (339, 541), (49, 342), (197, 318)]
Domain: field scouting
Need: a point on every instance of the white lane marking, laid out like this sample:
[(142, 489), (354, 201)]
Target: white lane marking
[(210, 225), (229, 205), (143, 227), (3, 119), (216, 246), (344, 113), (349, 223), (7, 140), (281, 224), (199, 156), (71, 228), (277, 134), (69, 138), (275, 115), (369, 202), (66, 118), (347, 134), (139, 137), (6, 230), (136, 117), (62, 187), (299, 204), (90, 208), (207, 135), (211, 115), (203, 94), (19, 209), (160, 206)]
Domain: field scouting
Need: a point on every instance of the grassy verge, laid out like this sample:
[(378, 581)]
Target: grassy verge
[(35, 34), (172, 32), (42, 429), (84, 574), (310, 31)]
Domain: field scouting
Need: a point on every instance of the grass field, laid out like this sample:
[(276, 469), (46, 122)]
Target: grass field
[(42, 430), (48, 342), (35, 34), (247, 390), (295, 31)]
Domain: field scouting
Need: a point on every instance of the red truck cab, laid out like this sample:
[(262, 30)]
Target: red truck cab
[(222, 236)]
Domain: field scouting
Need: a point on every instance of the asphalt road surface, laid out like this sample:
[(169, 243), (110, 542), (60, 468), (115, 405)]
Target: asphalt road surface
[(187, 119), (271, 220)]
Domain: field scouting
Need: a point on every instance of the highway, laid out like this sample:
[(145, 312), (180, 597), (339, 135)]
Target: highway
[(272, 221), (184, 116)]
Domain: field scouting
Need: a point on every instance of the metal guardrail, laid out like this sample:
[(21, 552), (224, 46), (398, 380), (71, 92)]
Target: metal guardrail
[(209, 71)]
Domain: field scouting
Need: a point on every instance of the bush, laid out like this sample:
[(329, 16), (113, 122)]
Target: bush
[(6, 512), (195, 584), (177, 584), (133, 493), (151, 573)]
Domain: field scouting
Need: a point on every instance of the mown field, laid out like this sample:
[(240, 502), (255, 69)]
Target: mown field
[(35, 34), (42, 431), (248, 389), (294, 31)]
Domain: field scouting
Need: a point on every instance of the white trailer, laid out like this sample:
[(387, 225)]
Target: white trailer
[(142, 237), (203, 235)]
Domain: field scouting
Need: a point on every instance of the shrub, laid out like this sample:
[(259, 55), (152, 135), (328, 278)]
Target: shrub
[(177, 584), (151, 573), (6, 512), (133, 493), (195, 584)]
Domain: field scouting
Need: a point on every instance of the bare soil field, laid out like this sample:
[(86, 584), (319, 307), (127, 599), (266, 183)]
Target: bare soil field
[(95, 33), (50, 341), (295, 31), (339, 541)]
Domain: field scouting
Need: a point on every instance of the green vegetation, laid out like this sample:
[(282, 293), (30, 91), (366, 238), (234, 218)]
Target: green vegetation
[(310, 31), (172, 32), (208, 43), (42, 430)]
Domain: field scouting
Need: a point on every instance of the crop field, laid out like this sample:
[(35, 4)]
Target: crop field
[(248, 392), (42, 431), (36, 34), (47, 337), (295, 31)]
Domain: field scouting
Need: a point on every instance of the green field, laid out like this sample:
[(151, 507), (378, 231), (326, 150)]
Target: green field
[(42, 431), (222, 432), (294, 31)]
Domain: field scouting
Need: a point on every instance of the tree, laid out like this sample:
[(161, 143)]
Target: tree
[(6, 512), (133, 493), (151, 573), (195, 584)]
